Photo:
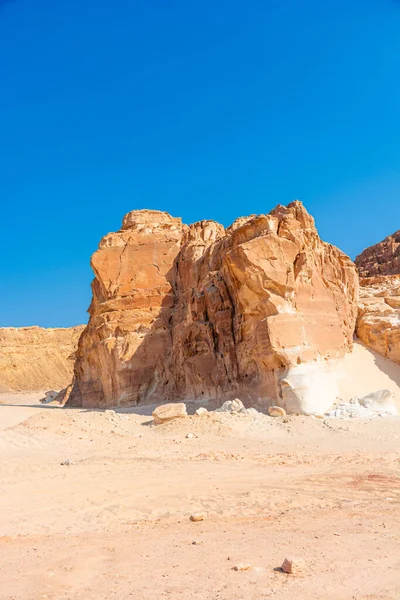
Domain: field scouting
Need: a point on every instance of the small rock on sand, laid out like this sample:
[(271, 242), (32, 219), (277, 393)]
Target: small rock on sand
[(66, 463), (232, 406), (190, 436), (196, 517), (201, 411), (242, 567), (276, 411), (169, 412), (294, 566)]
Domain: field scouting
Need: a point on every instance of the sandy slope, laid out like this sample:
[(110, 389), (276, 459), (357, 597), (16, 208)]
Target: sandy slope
[(365, 371), (115, 524)]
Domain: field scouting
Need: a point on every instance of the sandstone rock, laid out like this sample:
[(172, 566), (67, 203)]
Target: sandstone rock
[(33, 358), (378, 322), (199, 516), (294, 566), (242, 567), (381, 259), (169, 412), (62, 397), (276, 411), (204, 313), (189, 436), (201, 411), (49, 396)]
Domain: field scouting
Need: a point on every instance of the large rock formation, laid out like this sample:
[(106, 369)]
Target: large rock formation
[(199, 312), (378, 323), (32, 358), (381, 259)]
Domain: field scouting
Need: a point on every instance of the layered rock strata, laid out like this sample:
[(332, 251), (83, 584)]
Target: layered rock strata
[(259, 310), (378, 323), (381, 259), (33, 358)]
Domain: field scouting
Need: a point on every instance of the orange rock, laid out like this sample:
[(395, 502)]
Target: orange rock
[(204, 313), (35, 359), (378, 323), (382, 258), (294, 566)]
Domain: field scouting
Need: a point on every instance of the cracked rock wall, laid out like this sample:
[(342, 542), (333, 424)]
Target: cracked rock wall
[(181, 312)]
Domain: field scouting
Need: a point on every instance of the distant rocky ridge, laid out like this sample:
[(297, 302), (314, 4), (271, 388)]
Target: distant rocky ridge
[(381, 259), (33, 358), (261, 310)]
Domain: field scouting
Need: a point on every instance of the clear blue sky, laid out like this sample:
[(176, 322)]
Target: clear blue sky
[(206, 109)]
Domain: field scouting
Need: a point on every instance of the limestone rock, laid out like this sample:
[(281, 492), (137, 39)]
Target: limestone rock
[(378, 322), (231, 406), (201, 411), (34, 359), (197, 517), (294, 566), (382, 258), (203, 313), (169, 412), (276, 411), (381, 401)]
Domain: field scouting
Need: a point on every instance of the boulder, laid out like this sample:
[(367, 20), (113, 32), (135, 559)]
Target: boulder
[(294, 566), (204, 313), (276, 411), (169, 412), (232, 406)]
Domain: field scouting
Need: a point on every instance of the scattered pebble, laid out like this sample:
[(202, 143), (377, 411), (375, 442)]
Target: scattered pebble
[(294, 566), (189, 436), (200, 516), (197, 542), (67, 463), (242, 567)]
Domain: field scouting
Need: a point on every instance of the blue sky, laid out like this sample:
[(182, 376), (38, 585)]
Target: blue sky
[(210, 109)]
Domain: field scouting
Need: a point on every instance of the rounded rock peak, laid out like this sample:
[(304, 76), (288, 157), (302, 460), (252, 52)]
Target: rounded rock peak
[(206, 231), (149, 218)]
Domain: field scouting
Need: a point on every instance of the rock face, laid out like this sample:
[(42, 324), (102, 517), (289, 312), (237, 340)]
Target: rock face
[(199, 312), (378, 323), (381, 259), (32, 358)]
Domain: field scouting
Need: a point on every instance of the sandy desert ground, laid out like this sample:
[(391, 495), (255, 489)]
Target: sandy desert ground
[(115, 524)]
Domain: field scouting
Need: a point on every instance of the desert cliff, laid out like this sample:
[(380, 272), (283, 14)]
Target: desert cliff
[(33, 358), (381, 259), (261, 309)]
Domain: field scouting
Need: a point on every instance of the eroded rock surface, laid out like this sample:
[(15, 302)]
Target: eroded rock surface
[(378, 323), (381, 259), (180, 312), (33, 358)]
